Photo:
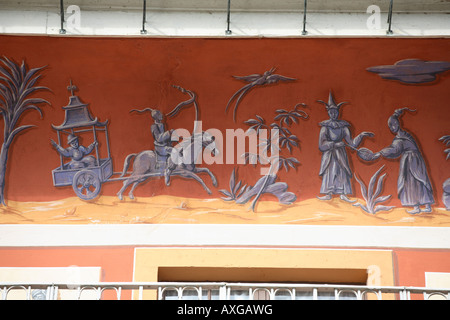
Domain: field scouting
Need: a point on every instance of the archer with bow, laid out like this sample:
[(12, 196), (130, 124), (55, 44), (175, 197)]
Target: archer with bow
[(162, 138)]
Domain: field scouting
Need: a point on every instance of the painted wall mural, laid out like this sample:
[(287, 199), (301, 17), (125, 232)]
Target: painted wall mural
[(139, 131)]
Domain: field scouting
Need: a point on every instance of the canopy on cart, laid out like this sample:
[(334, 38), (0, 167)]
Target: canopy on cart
[(77, 114)]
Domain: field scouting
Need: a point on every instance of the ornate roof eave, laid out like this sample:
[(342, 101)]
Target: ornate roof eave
[(92, 123), (77, 114)]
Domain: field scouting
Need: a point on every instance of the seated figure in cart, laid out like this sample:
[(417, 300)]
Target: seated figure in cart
[(79, 154)]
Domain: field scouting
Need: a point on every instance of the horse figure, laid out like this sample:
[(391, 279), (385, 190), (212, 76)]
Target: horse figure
[(145, 163)]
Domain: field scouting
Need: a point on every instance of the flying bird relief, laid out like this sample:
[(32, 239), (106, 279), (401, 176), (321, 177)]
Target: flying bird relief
[(254, 80)]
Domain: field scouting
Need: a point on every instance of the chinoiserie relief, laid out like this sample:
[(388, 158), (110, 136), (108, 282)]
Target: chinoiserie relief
[(86, 163)]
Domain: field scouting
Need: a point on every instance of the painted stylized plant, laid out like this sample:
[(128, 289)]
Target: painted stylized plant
[(371, 196), (235, 188), (289, 117), (446, 185), (257, 124), (446, 140), (17, 84)]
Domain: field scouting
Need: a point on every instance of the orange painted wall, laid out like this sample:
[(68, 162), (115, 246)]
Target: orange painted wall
[(116, 75)]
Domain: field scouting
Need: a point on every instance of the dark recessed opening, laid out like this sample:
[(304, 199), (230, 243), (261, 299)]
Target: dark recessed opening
[(271, 275)]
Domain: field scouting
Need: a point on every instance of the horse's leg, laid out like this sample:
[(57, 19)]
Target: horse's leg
[(144, 163), (168, 171), (130, 194), (191, 175), (126, 183), (203, 170)]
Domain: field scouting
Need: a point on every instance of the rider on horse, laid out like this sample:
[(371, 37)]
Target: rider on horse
[(162, 140)]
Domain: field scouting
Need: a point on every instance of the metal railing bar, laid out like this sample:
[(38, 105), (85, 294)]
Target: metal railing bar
[(224, 289), (315, 294), (141, 292), (29, 293), (359, 295), (144, 17), (160, 293), (391, 4), (99, 293), (217, 285), (228, 31), (62, 30), (304, 32)]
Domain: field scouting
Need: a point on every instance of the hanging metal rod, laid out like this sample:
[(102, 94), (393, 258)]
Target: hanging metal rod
[(144, 17), (62, 30), (228, 31), (389, 31), (304, 32)]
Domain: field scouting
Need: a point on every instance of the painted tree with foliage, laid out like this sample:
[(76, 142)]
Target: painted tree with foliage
[(283, 138), (17, 84)]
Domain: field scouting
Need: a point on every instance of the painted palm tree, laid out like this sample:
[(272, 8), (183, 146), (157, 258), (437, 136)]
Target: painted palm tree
[(17, 84)]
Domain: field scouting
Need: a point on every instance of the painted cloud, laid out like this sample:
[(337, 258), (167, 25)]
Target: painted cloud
[(411, 71)]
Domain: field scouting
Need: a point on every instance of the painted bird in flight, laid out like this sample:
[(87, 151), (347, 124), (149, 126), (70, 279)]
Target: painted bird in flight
[(255, 80)]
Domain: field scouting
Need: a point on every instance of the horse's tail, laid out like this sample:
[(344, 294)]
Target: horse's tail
[(126, 164)]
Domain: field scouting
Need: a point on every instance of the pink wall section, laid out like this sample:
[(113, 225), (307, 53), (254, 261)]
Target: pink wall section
[(116, 263)]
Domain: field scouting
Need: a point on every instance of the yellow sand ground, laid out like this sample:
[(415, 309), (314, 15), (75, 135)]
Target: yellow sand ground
[(170, 210)]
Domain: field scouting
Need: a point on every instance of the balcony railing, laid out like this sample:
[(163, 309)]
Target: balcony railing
[(213, 291)]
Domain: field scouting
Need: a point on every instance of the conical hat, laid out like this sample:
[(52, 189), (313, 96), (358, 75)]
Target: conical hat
[(331, 103)]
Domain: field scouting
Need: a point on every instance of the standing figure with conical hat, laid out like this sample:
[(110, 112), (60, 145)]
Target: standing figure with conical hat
[(335, 168), (413, 184)]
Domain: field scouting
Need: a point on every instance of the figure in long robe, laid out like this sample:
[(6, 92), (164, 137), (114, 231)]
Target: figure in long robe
[(413, 185), (335, 168)]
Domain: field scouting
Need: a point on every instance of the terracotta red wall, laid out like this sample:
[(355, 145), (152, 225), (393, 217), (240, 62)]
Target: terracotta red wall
[(116, 75), (412, 265)]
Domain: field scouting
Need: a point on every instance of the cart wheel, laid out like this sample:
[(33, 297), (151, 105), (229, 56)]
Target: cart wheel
[(86, 184)]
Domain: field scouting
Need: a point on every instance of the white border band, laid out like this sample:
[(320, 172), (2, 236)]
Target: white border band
[(205, 235)]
